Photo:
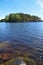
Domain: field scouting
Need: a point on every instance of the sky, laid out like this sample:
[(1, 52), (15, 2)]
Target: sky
[(33, 7)]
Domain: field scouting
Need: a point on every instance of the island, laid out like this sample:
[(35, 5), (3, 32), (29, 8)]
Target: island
[(21, 17)]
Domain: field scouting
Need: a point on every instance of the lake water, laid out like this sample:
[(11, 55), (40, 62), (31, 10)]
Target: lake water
[(30, 34)]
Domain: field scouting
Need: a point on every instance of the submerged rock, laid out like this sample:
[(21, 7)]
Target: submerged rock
[(19, 62)]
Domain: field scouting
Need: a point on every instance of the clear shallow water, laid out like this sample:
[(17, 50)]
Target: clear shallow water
[(30, 34)]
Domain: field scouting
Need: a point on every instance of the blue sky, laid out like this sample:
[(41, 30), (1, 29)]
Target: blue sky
[(33, 7)]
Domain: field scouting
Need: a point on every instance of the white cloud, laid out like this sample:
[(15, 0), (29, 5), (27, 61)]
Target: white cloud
[(40, 3)]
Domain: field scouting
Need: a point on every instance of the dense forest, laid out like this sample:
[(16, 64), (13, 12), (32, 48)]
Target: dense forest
[(20, 17)]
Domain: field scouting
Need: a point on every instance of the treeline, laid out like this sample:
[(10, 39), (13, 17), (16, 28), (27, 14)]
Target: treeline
[(20, 17)]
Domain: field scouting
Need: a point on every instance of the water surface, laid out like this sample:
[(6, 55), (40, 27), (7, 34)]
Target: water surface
[(30, 34)]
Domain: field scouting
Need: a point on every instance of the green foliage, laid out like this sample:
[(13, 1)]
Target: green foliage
[(21, 17)]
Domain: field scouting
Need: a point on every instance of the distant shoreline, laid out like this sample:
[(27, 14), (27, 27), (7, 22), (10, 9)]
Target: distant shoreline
[(21, 22)]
